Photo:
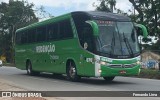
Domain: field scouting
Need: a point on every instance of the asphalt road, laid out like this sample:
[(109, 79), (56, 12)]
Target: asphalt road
[(47, 82)]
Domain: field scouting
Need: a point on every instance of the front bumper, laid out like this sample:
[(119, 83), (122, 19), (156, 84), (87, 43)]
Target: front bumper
[(108, 71)]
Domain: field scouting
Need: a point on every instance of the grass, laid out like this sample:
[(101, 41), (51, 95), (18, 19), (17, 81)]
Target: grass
[(149, 73)]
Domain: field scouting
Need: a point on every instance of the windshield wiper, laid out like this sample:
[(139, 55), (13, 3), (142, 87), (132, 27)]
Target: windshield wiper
[(128, 45), (112, 45)]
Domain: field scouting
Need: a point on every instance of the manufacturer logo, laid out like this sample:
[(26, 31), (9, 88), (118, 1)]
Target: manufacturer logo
[(45, 48)]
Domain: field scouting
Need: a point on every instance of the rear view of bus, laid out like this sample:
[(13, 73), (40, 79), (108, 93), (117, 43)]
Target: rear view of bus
[(103, 45)]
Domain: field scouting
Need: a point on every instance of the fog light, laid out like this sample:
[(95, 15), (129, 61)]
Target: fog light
[(139, 71), (99, 70)]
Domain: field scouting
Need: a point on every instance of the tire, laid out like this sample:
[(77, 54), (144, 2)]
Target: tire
[(29, 68), (30, 71), (72, 72), (109, 78)]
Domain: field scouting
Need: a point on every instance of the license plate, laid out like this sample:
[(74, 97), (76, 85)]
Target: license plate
[(122, 72)]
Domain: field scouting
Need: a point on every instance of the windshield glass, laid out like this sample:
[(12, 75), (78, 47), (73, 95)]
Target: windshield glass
[(117, 39)]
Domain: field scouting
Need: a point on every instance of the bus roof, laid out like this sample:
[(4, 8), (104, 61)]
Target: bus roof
[(42, 23), (91, 14), (104, 15)]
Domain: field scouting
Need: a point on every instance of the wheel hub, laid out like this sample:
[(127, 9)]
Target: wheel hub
[(72, 71)]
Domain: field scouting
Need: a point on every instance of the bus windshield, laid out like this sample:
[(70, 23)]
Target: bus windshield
[(117, 39)]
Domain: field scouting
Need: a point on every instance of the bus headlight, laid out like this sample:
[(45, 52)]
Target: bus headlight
[(138, 62), (100, 62), (103, 63)]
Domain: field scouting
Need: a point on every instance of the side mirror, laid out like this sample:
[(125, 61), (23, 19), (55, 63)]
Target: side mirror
[(94, 27), (142, 28)]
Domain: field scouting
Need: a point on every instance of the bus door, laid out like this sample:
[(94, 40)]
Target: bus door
[(87, 43)]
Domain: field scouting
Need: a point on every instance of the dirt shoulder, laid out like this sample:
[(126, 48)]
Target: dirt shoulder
[(8, 86)]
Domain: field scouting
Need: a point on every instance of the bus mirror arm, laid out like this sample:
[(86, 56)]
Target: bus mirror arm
[(94, 27), (143, 28)]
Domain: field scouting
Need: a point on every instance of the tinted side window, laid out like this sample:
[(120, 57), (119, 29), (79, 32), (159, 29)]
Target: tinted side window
[(65, 29), (52, 32), (24, 37), (31, 35), (41, 34), (86, 37), (79, 20), (18, 38)]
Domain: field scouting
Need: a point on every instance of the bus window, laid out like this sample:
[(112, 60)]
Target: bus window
[(24, 37), (79, 20), (65, 29), (18, 38), (52, 32), (31, 36), (41, 34), (86, 38)]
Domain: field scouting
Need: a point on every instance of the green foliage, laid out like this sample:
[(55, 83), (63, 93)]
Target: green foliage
[(108, 6), (149, 15), (103, 6), (13, 15), (149, 73)]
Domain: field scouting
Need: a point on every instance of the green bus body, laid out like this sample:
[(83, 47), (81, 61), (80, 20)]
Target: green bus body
[(52, 55)]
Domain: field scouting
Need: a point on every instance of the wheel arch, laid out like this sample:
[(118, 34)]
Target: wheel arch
[(70, 60), (75, 77)]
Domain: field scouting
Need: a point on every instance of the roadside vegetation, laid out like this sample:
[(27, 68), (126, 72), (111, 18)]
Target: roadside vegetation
[(13, 15), (149, 73)]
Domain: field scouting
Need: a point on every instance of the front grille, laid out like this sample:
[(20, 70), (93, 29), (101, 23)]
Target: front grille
[(129, 65), (122, 65), (115, 65)]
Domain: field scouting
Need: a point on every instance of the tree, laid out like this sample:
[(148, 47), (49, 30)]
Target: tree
[(108, 6), (103, 6), (149, 15), (13, 15), (112, 4), (137, 5)]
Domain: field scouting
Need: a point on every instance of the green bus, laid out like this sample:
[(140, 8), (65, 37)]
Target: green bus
[(80, 44)]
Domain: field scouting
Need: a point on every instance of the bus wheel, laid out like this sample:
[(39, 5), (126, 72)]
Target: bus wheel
[(109, 78), (29, 68), (72, 72), (30, 71)]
